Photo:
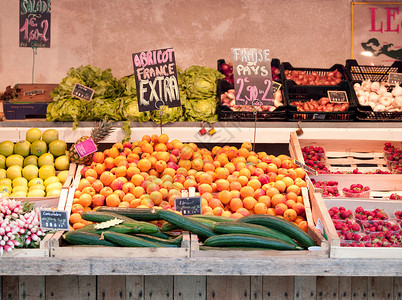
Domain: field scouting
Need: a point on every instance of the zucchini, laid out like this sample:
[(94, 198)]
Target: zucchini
[(185, 223), (248, 240), (247, 228), (127, 240), (139, 214), (77, 237), (214, 218), (281, 225), (175, 242), (96, 216)]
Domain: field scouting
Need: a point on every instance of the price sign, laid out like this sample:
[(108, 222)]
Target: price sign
[(252, 76), (156, 79), (395, 78), (306, 168), (83, 92), (188, 205), (337, 97), (276, 86), (86, 147), (35, 23), (54, 219)]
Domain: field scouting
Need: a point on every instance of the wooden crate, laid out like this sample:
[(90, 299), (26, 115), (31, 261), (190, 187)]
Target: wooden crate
[(36, 92), (60, 249), (313, 231), (366, 155), (320, 208), (42, 251)]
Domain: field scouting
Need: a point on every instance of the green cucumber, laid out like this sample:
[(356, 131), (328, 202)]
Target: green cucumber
[(96, 216), (208, 222), (127, 240), (281, 225), (141, 227), (185, 223), (139, 214), (247, 228), (160, 234), (77, 237), (248, 240), (175, 242), (214, 218), (167, 226)]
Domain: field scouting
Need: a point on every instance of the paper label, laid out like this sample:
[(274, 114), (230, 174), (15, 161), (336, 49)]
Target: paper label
[(86, 147)]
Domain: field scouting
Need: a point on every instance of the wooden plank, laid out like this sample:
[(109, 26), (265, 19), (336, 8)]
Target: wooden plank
[(256, 287), (134, 287), (397, 287), (190, 287), (345, 288), (380, 288), (327, 288), (278, 287), (62, 288), (228, 287), (10, 288), (158, 288), (87, 287), (32, 287), (111, 287), (359, 288), (305, 287)]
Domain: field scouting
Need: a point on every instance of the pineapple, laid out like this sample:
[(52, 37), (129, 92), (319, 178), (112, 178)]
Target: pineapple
[(98, 134)]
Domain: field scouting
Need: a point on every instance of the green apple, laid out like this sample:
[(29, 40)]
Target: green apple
[(31, 160), (46, 159), (6, 181), (37, 187), (38, 147), (46, 171), (33, 134), (2, 161), (20, 188), (22, 148), (6, 188), (36, 193), (15, 160), (18, 194), (35, 181), (3, 173), (14, 172), (30, 172), (20, 181), (50, 180), (50, 135), (63, 176), (6, 148), (53, 185), (53, 193), (62, 163), (58, 147)]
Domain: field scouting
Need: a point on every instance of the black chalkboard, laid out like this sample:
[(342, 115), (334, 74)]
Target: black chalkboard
[(395, 78), (252, 76), (338, 97), (276, 86), (35, 23), (188, 205), (156, 79), (54, 219), (82, 92)]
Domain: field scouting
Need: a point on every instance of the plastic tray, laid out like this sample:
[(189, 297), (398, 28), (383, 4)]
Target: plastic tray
[(294, 92), (356, 72)]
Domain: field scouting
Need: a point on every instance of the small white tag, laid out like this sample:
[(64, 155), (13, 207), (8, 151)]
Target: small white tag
[(320, 226)]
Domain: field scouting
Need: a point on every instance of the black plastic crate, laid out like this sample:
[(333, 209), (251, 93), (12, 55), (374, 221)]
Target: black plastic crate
[(226, 114), (309, 71), (356, 72), (305, 93)]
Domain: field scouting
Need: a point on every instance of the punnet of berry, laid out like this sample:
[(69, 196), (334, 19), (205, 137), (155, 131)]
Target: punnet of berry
[(328, 188), (356, 190), (379, 226), (340, 213), (314, 157), (377, 214), (398, 215)]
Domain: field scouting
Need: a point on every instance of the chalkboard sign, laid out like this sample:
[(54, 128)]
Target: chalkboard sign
[(82, 92), (252, 76), (35, 23), (54, 219), (156, 79), (276, 86), (306, 168), (338, 97), (188, 205), (395, 78)]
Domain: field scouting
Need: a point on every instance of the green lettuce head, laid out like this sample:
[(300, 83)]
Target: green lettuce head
[(201, 82), (202, 109)]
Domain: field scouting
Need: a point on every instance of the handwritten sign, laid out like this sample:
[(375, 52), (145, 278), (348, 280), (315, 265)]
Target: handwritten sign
[(395, 78), (86, 147), (156, 79), (306, 168), (54, 219), (252, 76), (338, 97), (35, 23), (83, 92), (188, 205), (276, 86)]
